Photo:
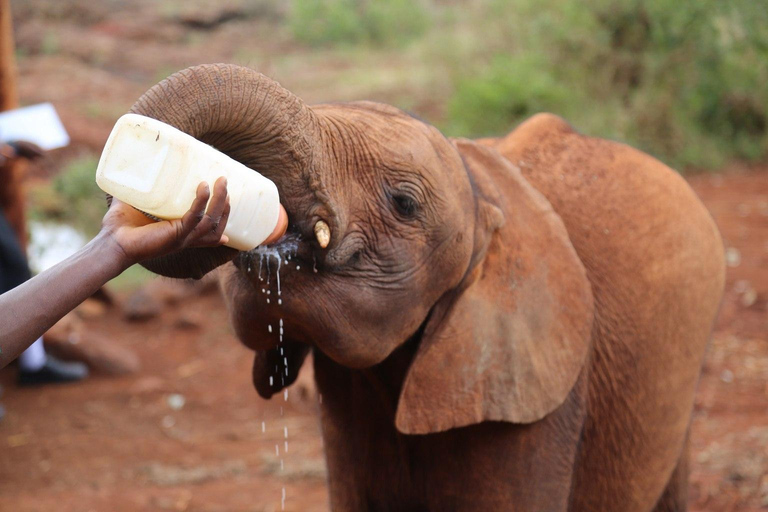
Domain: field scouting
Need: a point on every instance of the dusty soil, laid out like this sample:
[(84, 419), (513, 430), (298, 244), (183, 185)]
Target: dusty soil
[(188, 432), (730, 427), (117, 444)]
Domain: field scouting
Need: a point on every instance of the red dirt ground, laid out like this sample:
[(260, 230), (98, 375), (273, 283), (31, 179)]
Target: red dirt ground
[(115, 443)]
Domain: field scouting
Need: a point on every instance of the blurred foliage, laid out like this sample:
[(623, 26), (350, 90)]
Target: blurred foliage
[(346, 22), (513, 87), (72, 197), (50, 44), (132, 278), (682, 79)]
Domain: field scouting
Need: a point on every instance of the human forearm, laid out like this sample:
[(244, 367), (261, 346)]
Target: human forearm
[(127, 236), (30, 309)]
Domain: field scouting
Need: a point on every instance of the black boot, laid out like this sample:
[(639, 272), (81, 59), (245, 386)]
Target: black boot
[(54, 371)]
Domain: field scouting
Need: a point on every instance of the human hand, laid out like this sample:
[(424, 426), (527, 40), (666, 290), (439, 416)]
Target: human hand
[(139, 238), (28, 150)]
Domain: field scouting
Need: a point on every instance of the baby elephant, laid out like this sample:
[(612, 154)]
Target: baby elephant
[(515, 324)]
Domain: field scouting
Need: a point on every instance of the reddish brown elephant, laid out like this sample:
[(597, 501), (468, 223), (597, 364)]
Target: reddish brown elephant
[(514, 324)]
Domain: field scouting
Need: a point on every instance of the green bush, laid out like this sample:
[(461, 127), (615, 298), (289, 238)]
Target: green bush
[(72, 197), (682, 79), (375, 22), (512, 89)]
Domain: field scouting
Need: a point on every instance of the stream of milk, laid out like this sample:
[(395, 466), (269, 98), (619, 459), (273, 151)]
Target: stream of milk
[(265, 256)]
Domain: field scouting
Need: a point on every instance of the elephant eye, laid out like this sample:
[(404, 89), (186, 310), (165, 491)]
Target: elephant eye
[(405, 205)]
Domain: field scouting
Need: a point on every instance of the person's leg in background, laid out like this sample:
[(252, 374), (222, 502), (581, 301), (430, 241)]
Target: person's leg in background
[(35, 366), (33, 358)]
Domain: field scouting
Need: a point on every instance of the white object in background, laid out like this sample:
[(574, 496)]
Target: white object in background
[(50, 244), (37, 123), (156, 168)]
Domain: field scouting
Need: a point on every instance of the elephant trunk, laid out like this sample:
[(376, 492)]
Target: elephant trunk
[(252, 119)]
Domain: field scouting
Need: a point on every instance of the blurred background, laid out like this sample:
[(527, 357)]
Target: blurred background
[(170, 421)]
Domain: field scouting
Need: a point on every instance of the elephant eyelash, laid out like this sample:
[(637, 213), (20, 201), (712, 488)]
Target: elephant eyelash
[(405, 205)]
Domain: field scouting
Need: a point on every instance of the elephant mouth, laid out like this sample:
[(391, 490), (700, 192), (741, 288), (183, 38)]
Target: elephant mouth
[(298, 249), (268, 259), (280, 261)]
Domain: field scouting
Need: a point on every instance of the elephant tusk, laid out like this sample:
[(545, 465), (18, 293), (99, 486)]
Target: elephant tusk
[(322, 233)]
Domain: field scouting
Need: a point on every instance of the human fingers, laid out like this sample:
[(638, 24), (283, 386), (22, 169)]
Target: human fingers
[(208, 231), (219, 231), (27, 149), (196, 212), (219, 200), (212, 217)]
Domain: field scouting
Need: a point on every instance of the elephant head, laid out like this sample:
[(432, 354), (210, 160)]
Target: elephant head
[(396, 233)]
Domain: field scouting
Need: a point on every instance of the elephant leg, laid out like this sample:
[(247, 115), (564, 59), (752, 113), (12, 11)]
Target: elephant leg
[(675, 496)]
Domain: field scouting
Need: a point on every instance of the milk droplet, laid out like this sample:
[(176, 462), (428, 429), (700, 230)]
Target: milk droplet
[(285, 394), (278, 275), (270, 380), (176, 401), (263, 427), (267, 301), (279, 301), (269, 327), (298, 267), (285, 431), (732, 257), (277, 450)]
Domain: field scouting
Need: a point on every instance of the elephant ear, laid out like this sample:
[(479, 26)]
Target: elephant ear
[(510, 342)]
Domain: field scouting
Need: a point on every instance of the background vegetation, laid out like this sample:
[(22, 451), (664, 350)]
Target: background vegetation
[(71, 197), (682, 79)]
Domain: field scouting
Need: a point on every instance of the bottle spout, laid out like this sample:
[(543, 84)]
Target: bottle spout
[(280, 228)]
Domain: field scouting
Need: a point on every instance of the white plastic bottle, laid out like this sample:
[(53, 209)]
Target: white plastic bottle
[(156, 168)]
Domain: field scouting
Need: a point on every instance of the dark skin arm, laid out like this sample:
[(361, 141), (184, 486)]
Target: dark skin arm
[(127, 236)]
